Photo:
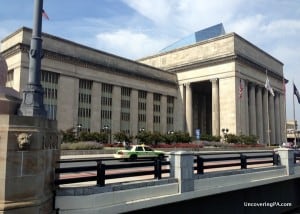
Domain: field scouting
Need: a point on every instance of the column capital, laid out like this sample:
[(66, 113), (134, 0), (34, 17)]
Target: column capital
[(216, 80)]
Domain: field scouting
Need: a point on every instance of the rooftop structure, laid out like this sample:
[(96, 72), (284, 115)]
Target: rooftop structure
[(207, 33)]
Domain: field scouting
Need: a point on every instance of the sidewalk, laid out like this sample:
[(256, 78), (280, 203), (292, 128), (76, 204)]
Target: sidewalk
[(86, 156)]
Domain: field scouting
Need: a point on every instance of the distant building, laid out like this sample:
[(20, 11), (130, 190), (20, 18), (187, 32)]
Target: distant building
[(209, 83), (292, 131)]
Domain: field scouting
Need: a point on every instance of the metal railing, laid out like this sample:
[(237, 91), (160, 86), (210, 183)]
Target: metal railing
[(296, 157), (238, 159), (101, 169)]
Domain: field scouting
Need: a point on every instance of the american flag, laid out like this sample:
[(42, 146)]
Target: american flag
[(268, 86), (45, 15), (241, 88), (296, 92)]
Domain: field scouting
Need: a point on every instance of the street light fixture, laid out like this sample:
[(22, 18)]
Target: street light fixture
[(106, 129), (225, 132)]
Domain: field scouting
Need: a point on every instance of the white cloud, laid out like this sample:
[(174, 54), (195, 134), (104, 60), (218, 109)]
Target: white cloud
[(128, 43)]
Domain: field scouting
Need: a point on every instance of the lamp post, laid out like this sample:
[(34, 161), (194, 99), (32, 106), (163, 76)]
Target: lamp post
[(106, 127), (32, 102), (225, 132), (78, 129)]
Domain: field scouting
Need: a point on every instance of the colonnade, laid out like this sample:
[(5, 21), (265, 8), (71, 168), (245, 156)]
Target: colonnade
[(266, 113), (258, 112)]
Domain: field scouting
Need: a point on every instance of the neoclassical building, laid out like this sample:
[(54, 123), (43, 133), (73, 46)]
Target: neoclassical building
[(210, 84)]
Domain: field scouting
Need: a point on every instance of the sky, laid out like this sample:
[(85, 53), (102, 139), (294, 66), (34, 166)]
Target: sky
[(137, 28)]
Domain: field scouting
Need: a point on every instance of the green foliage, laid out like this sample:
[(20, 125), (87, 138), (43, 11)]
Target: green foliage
[(231, 138), (243, 139), (68, 136), (81, 146), (252, 139), (169, 138), (156, 138), (144, 137), (210, 138), (93, 136), (182, 137), (122, 136)]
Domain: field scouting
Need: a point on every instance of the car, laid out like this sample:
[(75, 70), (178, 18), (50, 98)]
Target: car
[(138, 151)]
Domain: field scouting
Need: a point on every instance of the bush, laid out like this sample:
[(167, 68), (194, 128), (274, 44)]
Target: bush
[(93, 136), (122, 136), (68, 136), (144, 137), (182, 137), (81, 146), (231, 138), (210, 138), (252, 139)]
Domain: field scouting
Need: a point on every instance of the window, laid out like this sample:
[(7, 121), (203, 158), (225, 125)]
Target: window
[(49, 82), (84, 103), (125, 110), (106, 104), (142, 107)]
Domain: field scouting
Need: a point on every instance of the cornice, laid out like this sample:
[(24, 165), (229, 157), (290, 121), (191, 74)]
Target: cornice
[(24, 48), (225, 59)]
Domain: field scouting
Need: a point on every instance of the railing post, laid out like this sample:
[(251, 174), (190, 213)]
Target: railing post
[(157, 169), (275, 159), (287, 159), (243, 161), (182, 168), (100, 174), (200, 165)]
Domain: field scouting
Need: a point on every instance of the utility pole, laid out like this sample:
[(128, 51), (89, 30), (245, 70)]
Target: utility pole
[(32, 103)]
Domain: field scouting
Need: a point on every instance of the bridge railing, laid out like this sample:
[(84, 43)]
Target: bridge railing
[(115, 171), (241, 160), (296, 157)]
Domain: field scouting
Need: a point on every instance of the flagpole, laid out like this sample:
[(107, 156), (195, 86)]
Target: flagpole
[(269, 141), (294, 114), (284, 108)]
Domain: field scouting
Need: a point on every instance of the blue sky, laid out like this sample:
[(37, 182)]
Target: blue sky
[(137, 28)]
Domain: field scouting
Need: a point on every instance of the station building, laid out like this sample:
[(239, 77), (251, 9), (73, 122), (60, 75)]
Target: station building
[(210, 81)]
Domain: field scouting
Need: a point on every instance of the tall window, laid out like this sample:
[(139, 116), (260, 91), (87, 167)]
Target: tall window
[(49, 81), (84, 104), (170, 113), (125, 109), (10, 78), (156, 112), (106, 105), (142, 107)]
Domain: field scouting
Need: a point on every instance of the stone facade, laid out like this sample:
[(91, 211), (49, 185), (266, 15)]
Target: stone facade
[(204, 79), (227, 62)]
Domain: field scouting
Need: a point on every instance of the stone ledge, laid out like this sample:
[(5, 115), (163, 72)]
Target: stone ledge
[(80, 191)]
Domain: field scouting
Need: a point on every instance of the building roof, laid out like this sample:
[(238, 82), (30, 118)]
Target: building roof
[(207, 33)]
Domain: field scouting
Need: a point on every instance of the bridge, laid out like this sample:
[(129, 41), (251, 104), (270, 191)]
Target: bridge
[(260, 182)]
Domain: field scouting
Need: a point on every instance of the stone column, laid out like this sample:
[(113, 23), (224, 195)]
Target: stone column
[(67, 110), (252, 110), (134, 112), (266, 125), (259, 114), (287, 159), (96, 107), (277, 120), (179, 110), (163, 114), (282, 117), (182, 168), (246, 108), (215, 107), (189, 109), (149, 112), (272, 119), (116, 110)]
